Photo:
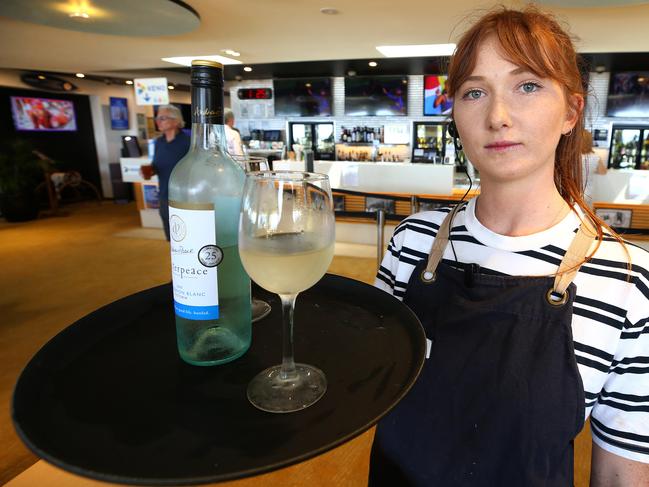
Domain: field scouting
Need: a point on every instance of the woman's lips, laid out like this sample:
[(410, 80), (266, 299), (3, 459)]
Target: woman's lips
[(502, 145)]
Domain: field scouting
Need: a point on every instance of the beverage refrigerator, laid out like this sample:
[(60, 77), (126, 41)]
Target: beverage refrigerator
[(429, 142), (317, 136), (629, 147)]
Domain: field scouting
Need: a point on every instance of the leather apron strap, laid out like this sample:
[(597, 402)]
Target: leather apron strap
[(570, 264), (439, 245)]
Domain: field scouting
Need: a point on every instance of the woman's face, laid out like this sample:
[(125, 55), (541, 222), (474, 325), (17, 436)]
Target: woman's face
[(166, 120), (510, 120)]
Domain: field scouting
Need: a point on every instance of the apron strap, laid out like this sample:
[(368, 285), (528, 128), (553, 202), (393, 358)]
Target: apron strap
[(439, 245), (571, 262)]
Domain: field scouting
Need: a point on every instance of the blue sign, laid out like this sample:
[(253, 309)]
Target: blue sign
[(118, 113)]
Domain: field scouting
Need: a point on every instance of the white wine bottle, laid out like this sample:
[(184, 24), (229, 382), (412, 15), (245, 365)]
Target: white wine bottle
[(211, 288)]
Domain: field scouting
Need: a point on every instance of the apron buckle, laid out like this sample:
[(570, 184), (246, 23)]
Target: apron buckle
[(556, 299), (428, 276)]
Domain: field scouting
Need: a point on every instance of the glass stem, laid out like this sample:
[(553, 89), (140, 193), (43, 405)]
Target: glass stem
[(288, 364)]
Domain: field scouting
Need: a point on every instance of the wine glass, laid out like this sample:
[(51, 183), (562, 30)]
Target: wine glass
[(286, 243), (260, 308)]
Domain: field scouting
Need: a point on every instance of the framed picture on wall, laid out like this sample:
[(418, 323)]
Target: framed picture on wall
[(617, 218), (436, 99), (118, 113)]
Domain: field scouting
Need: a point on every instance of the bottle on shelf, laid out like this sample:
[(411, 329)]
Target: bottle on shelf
[(211, 289)]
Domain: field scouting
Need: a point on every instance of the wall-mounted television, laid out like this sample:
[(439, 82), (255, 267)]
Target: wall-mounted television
[(436, 100), (303, 97), (628, 94), (376, 95), (43, 114)]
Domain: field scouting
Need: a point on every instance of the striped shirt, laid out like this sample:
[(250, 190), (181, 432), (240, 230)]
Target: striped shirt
[(610, 321)]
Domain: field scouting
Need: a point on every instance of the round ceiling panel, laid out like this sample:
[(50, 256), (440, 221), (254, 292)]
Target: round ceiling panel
[(114, 17), (590, 3)]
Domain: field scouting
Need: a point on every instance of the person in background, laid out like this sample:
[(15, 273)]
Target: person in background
[(232, 135), (170, 147), (536, 313), (591, 164)]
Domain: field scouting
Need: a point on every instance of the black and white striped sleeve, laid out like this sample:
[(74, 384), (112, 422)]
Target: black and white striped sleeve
[(386, 275), (620, 417)]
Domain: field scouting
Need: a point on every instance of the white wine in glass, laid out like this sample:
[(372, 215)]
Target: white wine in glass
[(286, 243), (260, 308)]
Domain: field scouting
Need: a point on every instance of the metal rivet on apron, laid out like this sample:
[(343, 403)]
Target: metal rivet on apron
[(551, 298), (428, 276)]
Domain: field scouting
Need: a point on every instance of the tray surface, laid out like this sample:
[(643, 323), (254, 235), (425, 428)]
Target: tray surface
[(110, 399)]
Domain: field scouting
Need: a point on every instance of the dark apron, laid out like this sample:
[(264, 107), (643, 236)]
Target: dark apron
[(500, 399)]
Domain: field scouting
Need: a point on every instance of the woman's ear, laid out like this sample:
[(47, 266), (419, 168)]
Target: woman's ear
[(575, 108)]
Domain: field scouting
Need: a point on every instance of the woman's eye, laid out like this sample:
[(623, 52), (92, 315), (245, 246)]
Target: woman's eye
[(473, 94), (530, 87)]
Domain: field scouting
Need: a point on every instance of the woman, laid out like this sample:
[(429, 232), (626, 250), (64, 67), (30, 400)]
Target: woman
[(523, 347), (170, 148), (592, 164)]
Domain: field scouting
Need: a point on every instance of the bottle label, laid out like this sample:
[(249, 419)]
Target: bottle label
[(194, 259)]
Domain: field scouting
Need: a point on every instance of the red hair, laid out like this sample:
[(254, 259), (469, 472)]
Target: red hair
[(534, 40)]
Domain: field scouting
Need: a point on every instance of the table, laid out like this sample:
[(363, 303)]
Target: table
[(109, 398)]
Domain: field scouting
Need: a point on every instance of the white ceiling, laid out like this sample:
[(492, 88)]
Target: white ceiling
[(294, 30)]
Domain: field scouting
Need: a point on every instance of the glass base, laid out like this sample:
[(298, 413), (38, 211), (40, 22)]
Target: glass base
[(270, 393), (260, 309)]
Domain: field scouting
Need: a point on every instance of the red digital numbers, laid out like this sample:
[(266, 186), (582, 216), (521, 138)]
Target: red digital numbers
[(255, 94)]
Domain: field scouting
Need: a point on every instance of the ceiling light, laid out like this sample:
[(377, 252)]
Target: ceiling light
[(231, 52), (328, 11), (418, 50), (80, 75), (40, 76), (247, 69), (128, 82), (171, 87), (79, 15), (372, 64), (187, 60)]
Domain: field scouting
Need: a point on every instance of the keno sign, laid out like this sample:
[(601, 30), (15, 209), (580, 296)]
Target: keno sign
[(151, 91)]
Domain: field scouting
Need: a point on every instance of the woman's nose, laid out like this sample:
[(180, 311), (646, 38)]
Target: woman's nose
[(499, 113)]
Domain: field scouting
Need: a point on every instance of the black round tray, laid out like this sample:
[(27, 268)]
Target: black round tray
[(109, 398)]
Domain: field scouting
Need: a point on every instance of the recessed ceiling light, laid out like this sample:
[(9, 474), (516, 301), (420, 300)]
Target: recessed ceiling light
[(187, 60), (372, 64), (247, 69), (231, 52), (80, 75), (328, 11), (171, 87), (40, 76), (79, 15), (418, 50), (128, 82)]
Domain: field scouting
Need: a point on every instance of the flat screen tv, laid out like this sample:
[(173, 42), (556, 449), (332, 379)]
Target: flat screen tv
[(436, 100), (43, 114), (303, 97), (628, 94), (376, 95)]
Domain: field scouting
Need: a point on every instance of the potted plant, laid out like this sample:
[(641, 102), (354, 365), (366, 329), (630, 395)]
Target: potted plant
[(21, 171)]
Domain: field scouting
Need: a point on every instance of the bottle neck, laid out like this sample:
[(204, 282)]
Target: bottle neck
[(208, 136), (208, 132)]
